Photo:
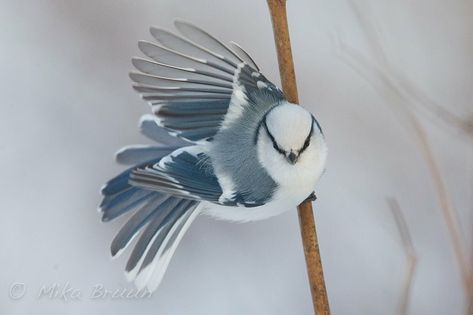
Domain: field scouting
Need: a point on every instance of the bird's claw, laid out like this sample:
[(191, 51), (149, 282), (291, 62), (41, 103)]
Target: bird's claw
[(312, 197)]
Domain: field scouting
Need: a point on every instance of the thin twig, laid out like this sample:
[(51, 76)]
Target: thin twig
[(411, 255), (470, 202), (306, 216)]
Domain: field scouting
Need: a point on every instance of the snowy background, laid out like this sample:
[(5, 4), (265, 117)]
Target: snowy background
[(67, 106)]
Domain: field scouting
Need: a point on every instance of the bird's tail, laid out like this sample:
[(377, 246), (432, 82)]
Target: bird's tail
[(154, 250), (158, 218)]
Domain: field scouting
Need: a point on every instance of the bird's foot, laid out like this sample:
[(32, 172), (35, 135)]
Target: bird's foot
[(312, 197)]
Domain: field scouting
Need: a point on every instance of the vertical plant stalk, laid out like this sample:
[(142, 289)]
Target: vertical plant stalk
[(310, 243), (411, 255)]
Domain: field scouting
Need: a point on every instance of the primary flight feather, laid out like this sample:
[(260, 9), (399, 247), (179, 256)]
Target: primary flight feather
[(231, 146)]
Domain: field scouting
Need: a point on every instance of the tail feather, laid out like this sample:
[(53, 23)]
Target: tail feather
[(150, 233), (158, 241), (169, 223), (116, 184), (135, 223), (115, 205), (158, 258), (120, 197)]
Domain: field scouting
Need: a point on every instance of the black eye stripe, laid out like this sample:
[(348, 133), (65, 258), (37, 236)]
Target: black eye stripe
[(307, 140), (273, 140), (275, 145), (305, 146)]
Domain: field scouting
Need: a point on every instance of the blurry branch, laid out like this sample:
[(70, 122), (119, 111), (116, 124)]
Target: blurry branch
[(398, 93), (310, 243), (470, 202), (410, 253), (470, 193), (404, 84), (464, 125)]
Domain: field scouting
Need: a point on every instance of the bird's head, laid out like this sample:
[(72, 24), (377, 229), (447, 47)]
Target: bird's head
[(287, 131), (291, 146)]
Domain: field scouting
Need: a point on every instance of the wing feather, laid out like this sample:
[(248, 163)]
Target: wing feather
[(192, 81), (185, 173), (172, 57), (190, 48), (201, 37)]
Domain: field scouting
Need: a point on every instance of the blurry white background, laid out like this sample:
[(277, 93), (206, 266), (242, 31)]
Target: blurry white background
[(67, 106)]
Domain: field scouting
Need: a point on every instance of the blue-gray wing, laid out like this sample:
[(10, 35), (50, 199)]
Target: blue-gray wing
[(191, 83), (185, 173)]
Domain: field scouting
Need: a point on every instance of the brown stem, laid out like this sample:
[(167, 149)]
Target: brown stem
[(410, 253), (315, 272)]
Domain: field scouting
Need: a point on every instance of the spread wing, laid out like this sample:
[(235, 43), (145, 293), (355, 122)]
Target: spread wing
[(196, 84)]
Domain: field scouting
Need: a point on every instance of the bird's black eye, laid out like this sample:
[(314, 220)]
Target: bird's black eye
[(306, 144), (275, 146), (307, 140)]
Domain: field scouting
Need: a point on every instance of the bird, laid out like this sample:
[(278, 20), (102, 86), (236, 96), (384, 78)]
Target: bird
[(228, 145)]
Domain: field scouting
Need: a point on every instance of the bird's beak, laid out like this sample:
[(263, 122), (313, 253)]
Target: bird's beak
[(292, 158)]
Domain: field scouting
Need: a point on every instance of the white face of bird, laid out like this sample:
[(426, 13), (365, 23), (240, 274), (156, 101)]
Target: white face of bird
[(290, 144), (290, 130)]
